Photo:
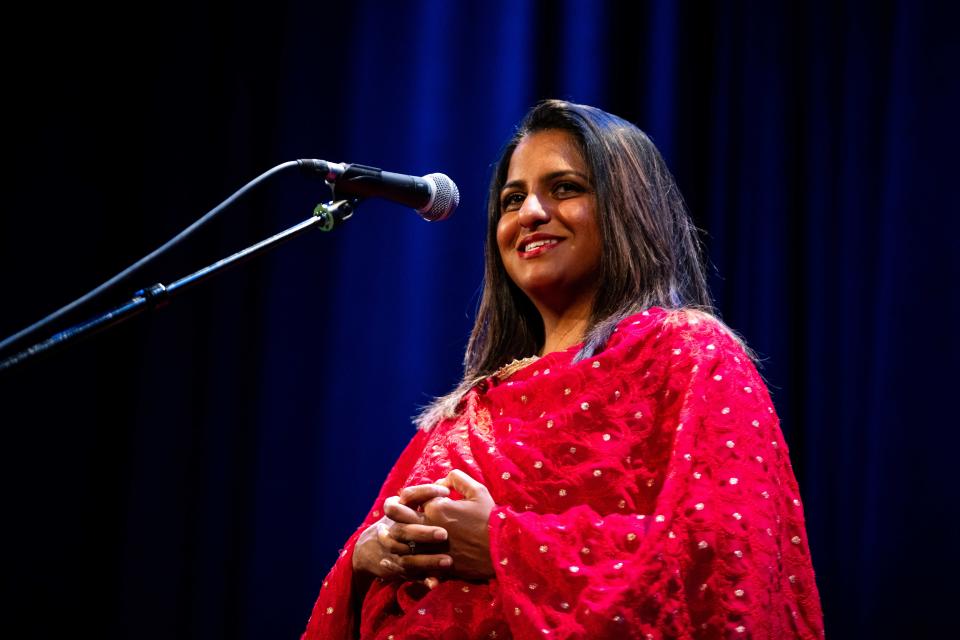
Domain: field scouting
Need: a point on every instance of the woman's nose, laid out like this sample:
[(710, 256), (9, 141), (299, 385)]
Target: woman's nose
[(532, 213)]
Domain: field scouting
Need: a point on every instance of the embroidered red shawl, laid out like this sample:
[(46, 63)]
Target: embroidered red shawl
[(642, 493)]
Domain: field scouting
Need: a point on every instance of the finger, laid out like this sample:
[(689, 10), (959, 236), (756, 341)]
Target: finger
[(417, 533), (418, 494), (436, 510), (390, 567), (423, 563), (390, 543), (463, 483), (400, 512)]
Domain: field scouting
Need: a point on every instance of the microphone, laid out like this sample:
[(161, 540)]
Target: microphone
[(433, 196)]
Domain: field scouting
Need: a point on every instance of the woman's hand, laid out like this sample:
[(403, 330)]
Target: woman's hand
[(465, 521), (447, 536), (400, 545)]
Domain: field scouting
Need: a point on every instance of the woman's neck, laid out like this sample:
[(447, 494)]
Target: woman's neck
[(563, 331)]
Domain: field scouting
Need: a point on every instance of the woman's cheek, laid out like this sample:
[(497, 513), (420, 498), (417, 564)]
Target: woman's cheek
[(506, 234)]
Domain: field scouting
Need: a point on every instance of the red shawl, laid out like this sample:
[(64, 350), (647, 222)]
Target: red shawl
[(646, 492)]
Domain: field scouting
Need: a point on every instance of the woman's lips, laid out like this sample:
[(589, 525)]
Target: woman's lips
[(533, 247)]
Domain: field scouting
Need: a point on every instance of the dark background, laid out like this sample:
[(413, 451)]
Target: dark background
[(192, 473)]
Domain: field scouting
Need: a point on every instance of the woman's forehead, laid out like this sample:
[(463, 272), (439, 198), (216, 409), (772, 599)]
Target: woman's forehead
[(547, 151)]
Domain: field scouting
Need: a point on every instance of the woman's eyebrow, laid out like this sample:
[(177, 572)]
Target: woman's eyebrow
[(547, 178)]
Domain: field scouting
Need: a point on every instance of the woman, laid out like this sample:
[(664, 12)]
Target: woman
[(611, 464)]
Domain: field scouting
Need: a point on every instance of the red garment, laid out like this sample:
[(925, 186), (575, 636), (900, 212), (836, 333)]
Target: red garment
[(642, 493)]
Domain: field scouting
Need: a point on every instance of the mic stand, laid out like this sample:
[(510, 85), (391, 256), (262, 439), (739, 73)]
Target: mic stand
[(326, 217)]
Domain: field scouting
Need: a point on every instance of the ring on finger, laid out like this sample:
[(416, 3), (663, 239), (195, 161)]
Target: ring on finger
[(413, 545)]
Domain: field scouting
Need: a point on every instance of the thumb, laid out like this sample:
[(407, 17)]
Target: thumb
[(467, 486)]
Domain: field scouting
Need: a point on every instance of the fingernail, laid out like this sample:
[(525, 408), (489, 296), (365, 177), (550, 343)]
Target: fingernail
[(384, 563), (440, 534), (445, 562)]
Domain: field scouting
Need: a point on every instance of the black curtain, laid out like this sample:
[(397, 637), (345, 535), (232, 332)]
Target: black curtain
[(192, 473)]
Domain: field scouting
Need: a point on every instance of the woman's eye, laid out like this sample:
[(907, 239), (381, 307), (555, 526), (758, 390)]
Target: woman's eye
[(567, 189), (511, 202)]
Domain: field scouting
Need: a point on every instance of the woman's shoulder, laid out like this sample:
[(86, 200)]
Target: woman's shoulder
[(689, 329)]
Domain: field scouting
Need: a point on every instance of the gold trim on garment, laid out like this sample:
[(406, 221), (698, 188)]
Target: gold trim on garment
[(512, 367)]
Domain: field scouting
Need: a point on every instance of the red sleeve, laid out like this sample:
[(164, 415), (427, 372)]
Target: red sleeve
[(723, 550), (336, 613)]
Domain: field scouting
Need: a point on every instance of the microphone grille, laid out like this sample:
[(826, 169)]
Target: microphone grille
[(446, 197)]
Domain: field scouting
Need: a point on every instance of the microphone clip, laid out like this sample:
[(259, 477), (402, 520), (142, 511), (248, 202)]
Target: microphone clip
[(333, 213)]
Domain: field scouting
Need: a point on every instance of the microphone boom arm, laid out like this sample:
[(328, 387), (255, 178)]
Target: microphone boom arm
[(326, 217)]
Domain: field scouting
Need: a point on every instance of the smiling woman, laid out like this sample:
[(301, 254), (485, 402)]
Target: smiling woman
[(548, 235), (611, 465)]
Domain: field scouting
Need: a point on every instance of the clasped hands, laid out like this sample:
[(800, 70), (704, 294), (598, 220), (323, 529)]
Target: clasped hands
[(425, 535)]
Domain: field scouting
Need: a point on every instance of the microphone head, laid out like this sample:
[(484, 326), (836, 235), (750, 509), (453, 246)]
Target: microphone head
[(446, 197)]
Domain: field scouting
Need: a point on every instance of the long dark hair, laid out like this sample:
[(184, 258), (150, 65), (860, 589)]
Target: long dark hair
[(651, 251)]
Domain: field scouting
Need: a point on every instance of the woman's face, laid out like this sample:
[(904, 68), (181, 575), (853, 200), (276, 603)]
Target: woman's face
[(548, 235)]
